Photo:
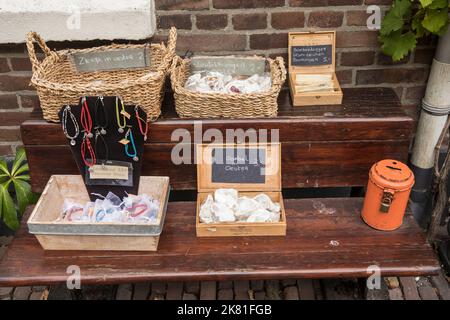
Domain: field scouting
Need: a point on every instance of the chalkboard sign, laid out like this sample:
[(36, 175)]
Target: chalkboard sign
[(111, 60), (245, 66), (312, 55), (238, 165)]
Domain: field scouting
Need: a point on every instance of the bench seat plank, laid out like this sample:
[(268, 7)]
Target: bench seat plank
[(325, 239)]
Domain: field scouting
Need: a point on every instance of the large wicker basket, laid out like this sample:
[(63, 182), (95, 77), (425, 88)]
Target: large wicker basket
[(58, 83), (190, 104)]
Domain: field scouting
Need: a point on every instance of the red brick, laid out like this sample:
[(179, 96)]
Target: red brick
[(4, 65), (357, 18), (291, 293), (391, 75), (288, 20), (211, 42), (358, 58), (180, 21), (13, 118), (242, 4), (415, 93), (241, 290), (251, 21), (208, 290), (225, 294), (174, 290), (344, 76), (5, 151), (385, 60), (182, 4), (30, 101), (353, 39), (424, 56), (20, 64), (268, 41), (382, 2), (9, 134), (212, 21), (323, 3), (8, 101), (14, 83), (325, 19)]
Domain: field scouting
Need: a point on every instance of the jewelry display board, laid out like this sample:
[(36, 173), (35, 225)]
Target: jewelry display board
[(107, 141)]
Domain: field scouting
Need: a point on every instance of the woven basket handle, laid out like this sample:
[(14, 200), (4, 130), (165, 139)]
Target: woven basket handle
[(31, 38), (170, 53), (174, 70), (279, 62)]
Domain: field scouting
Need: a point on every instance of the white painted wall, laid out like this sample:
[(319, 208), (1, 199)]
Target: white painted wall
[(77, 19)]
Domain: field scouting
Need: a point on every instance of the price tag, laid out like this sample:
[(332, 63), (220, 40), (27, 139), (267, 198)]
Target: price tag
[(100, 171)]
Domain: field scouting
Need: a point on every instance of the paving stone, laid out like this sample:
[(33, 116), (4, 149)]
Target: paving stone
[(306, 289), (347, 289), (174, 290), (409, 288), (392, 282), (124, 291), (97, 292), (37, 295), (395, 294), (225, 294), (59, 292), (6, 292), (38, 288), (259, 295), (208, 290), (241, 290), (141, 291), (442, 285), (2, 251), (288, 282), (377, 294), (273, 290), (291, 293), (192, 287), (426, 290), (158, 290), (225, 284), (189, 296), (5, 240), (21, 293), (257, 285)]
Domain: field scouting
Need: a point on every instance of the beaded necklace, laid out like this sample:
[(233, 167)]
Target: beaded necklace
[(86, 119), (129, 135), (72, 138), (140, 121), (121, 126), (101, 115)]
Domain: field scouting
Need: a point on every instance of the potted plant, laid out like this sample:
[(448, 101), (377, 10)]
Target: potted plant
[(15, 191), (409, 20)]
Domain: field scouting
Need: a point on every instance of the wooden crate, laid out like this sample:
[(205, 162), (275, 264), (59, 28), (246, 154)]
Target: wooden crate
[(321, 60), (208, 183), (57, 235)]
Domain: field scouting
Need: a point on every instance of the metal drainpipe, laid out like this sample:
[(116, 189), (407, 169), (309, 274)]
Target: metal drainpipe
[(434, 113)]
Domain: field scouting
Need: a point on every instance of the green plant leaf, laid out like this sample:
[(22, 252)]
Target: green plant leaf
[(24, 177), (8, 208), (4, 167), (398, 45), (19, 159), (416, 25), (438, 4), (435, 20), (23, 194), (23, 168), (426, 3), (395, 18)]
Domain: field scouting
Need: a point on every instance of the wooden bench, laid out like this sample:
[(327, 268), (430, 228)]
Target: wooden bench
[(323, 146)]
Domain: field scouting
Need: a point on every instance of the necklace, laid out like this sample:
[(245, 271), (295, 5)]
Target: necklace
[(103, 115), (86, 144), (133, 155), (72, 138), (121, 126), (99, 135), (140, 121), (86, 119)]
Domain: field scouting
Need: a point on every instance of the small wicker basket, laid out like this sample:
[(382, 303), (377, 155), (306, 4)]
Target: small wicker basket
[(190, 104), (58, 83)]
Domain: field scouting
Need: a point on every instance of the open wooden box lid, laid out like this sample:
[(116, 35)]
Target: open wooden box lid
[(312, 52), (250, 167)]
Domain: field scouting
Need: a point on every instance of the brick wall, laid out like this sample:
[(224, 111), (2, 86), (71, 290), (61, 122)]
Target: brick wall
[(244, 26)]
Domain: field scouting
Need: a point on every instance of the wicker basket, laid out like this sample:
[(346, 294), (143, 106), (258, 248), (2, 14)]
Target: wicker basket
[(190, 104), (58, 83)]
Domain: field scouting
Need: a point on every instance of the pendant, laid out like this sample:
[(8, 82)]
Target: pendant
[(103, 131), (72, 142), (124, 141), (135, 158), (145, 138), (120, 130), (90, 135)]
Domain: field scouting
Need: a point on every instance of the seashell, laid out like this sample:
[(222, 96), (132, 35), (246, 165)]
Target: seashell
[(226, 196), (260, 215), (206, 215), (222, 212)]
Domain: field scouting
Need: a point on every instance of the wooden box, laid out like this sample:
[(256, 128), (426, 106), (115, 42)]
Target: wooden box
[(313, 53), (244, 176), (57, 235)]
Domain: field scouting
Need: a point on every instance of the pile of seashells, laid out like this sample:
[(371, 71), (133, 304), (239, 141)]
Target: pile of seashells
[(227, 206)]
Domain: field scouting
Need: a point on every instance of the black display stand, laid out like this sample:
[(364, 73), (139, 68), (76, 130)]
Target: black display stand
[(116, 150)]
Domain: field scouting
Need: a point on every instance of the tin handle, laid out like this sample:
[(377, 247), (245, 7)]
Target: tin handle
[(386, 200)]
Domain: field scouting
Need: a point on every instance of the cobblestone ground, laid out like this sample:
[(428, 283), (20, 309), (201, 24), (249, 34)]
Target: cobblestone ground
[(392, 288)]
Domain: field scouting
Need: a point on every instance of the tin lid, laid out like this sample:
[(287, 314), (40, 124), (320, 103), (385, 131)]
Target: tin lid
[(392, 174)]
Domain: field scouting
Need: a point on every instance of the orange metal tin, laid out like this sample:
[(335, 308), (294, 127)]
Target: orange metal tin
[(387, 195)]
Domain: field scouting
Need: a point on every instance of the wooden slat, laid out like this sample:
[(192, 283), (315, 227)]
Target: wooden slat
[(306, 251), (304, 164)]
